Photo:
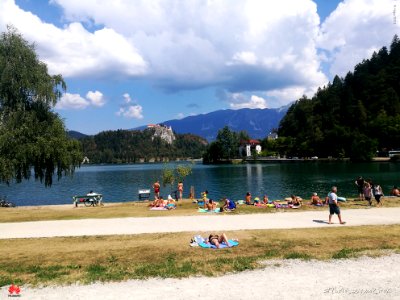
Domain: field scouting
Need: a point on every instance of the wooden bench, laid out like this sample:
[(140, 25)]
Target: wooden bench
[(88, 200)]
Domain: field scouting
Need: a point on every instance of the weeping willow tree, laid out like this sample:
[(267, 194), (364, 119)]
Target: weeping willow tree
[(33, 138)]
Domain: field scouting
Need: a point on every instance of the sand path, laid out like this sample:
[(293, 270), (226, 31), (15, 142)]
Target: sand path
[(363, 278), (205, 222)]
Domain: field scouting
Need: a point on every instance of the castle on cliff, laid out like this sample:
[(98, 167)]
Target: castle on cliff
[(164, 132)]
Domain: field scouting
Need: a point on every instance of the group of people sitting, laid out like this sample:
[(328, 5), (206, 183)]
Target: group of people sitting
[(228, 205), (160, 202), (256, 201), (293, 200)]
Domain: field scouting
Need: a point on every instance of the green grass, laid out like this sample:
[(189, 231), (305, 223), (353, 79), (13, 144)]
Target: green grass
[(297, 255), (346, 253), (168, 255)]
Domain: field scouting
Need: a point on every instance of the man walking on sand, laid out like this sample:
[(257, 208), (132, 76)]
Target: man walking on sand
[(334, 206)]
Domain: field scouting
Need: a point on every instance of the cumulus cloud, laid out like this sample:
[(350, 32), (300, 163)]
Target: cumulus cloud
[(253, 102), (73, 51), (354, 30), (180, 115), (271, 49), (182, 44), (76, 101), (127, 98), (240, 100), (130, 110), (72, 101), (96, 98)]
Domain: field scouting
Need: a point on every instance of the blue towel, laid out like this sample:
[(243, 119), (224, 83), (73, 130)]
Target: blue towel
[(222, 245), (203, 210)]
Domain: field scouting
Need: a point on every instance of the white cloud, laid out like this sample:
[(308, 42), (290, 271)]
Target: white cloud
[(245, 47), (240, 46), (180, 116), (131, 111), (354, 30), (281, 97), (73, 51), (72, 101), (96, 98), (244, 57), (238, 101), (128, 110), (76, 101), (127, 98)]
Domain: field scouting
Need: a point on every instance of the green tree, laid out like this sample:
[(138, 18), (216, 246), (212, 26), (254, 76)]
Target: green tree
[(352, 117), (183, 171), (168, 176), (229, 142), (32, 136)]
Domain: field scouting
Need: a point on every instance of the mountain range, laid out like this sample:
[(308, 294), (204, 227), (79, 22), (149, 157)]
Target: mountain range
[(257, 122)]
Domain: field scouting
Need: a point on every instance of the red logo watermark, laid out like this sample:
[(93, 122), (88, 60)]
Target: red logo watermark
[(14, 291)]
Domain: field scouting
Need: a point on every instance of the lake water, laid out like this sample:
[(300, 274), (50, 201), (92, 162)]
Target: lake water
[(119, 183)]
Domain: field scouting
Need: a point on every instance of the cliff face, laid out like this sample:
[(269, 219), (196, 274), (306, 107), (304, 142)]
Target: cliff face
[(165, 133)]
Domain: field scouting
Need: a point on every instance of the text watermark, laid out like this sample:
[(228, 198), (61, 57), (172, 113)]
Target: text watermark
[(352, 291)]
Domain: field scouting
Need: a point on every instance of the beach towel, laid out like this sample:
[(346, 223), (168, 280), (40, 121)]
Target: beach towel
[(221, 246), (158, 208), (240, 202), (203, 210)]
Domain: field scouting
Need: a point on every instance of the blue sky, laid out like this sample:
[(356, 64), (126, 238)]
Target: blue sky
[(129, 63)]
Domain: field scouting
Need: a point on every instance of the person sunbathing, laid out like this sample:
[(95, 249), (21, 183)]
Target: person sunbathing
[(210, 205), (295, 200), (315, 199), (265, 199), (159, 202), (395, 192), (216, 240)]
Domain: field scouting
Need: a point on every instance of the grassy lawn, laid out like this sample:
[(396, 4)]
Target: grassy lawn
[(116, 258), (141, 209)]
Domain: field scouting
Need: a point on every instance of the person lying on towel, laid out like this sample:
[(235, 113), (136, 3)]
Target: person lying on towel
[(215, 239)]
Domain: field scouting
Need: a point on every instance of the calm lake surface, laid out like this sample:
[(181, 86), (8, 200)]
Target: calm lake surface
[(119, 183)]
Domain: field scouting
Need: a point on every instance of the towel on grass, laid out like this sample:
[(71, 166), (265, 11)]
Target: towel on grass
[(158, 208), (221, 246), (203, 210), (200, 241)]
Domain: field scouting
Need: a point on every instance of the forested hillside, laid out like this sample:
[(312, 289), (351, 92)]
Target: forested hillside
[(130, 146), (353, 116)]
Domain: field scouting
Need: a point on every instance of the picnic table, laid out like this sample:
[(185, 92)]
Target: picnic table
[(88, 200)]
